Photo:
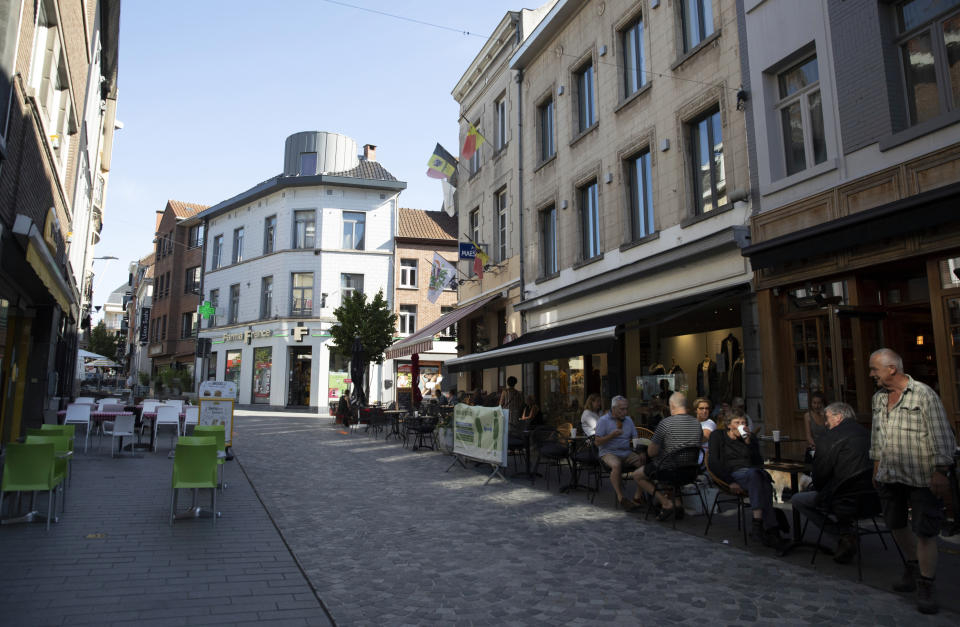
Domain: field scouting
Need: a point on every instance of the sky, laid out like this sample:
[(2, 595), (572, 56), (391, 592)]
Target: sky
[(210, 89)]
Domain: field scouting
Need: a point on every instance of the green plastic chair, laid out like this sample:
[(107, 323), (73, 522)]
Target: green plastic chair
[(62, 453), (31, 467), (67, 430), (219, 432), (194, 467)]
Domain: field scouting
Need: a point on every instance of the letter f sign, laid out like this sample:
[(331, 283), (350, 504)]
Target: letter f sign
[(299, 332)]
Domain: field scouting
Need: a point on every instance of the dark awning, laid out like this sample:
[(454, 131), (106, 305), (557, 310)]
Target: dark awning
[(422, 340), (907, 215)]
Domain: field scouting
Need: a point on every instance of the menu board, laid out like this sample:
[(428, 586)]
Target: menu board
[(216, 405)]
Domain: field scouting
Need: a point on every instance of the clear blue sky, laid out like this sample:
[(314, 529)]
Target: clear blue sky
[(209, 90)]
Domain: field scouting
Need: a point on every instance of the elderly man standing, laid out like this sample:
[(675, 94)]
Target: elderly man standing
[(615, 431), (842, 453), (912, 448)]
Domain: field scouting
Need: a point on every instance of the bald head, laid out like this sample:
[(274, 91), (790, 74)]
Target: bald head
[(678, 403)]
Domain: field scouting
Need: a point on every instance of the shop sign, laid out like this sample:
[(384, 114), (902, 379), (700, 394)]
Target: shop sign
[(144, 326), (246, 336), (299, 332), (467, 250), (206, 310)]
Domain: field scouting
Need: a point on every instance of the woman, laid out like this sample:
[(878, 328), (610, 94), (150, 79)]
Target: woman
[(815, 422), (343, 409), (702, 407), (512, 401), (590, 415), (531, 414)]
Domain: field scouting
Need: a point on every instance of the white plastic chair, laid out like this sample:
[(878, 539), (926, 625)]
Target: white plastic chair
[(191, 416), (121, 427), (176, 403), (110, 406), (79, 414), (166, 415)]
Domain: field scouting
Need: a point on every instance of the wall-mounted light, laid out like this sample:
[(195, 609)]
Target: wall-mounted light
[(919, 340)]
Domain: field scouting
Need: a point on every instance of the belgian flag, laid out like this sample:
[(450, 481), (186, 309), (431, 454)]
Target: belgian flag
[(441, 165)]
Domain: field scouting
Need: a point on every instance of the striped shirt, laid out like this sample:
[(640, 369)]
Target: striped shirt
[(675, 432), (913, 437)]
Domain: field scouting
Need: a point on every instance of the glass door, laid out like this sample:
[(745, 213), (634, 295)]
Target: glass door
[(813, 359)]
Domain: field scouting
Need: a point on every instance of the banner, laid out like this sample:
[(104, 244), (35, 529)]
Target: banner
[(441, 276), (480, 433), (216, 405), (144, 326)]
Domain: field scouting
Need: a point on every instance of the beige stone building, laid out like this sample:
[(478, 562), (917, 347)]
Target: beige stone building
[(633, 185)]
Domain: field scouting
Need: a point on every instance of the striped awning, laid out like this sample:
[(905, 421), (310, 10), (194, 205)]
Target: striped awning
[(422, 340)]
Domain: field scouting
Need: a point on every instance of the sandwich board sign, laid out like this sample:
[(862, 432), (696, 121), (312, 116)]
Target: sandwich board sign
[(216, 402)]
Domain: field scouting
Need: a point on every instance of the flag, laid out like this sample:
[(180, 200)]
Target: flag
[(482, 256), (441, 165), (448, 200), (442, 276), (473, 141), (478, 266)]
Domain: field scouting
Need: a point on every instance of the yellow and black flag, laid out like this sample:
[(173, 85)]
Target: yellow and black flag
[(442, 165)]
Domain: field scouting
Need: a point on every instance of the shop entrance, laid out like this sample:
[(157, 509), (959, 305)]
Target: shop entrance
[(299, 371)]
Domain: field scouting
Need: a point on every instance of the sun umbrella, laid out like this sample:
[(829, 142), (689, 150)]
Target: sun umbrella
[(415, 377), (358, 370), (102, 362)]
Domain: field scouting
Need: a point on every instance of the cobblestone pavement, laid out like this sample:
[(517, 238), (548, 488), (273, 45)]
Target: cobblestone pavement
[(113, 559), (387, 537)]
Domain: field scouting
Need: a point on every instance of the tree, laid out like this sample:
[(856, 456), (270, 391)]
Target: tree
[(102, 342), (372, 322)]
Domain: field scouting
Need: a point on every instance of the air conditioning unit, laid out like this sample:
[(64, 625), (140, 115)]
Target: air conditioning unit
[(55, 142)]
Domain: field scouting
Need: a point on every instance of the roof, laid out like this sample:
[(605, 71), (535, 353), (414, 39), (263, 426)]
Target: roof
[(185, 209), (370, 170), (148, 260), (421, 224)]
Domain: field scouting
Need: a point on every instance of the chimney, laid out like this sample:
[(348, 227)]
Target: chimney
[(369, 152)]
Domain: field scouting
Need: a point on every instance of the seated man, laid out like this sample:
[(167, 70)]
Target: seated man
[(734, 458), (615, 431), (842, 452), (676, 431)]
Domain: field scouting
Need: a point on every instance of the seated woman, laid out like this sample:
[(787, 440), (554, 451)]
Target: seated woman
[(734, 457), (702, 407), (815, 421), (531, 414), (590, 415)]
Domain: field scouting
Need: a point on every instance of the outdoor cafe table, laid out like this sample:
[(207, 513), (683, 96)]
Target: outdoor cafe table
[(794, 468), (151, 415), (395, 421)]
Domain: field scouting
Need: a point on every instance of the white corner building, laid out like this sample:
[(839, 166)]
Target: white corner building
[(278, 259)]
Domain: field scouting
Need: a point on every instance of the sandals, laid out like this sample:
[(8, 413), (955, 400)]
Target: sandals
[(628, 505), (665, 514)]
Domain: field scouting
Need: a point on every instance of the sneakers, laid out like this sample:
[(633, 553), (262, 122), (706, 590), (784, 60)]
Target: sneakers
[(846, 549), (926, 596), (908, 583)]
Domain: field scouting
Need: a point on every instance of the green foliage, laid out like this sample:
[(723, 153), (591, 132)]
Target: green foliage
[(175, 379), (102, 342), (373, 322), (144, 378)]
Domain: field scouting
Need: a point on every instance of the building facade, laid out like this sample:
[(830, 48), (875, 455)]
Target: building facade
[(856, 244), (278, 259), (138, 313), (634, 185), (58, 79)]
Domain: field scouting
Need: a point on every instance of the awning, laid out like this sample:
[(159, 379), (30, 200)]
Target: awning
[(422, 340), (586, 342), (45, 266)]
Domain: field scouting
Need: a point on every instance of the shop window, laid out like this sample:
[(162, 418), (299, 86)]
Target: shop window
[(562, 388), (929, 41), (262, 365), (231, 371), (813, 359), (801, 116), (212, 367)]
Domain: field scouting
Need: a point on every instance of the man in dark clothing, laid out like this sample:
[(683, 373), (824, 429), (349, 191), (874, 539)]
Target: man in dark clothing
[(734, 458), (842, 452)]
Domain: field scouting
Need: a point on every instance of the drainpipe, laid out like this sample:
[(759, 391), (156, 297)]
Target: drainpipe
[(519, 79)]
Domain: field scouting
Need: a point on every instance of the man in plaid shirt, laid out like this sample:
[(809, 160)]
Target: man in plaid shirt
[(912, 449)]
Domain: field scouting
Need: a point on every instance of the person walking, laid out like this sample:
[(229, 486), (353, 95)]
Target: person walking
[(911, 445)]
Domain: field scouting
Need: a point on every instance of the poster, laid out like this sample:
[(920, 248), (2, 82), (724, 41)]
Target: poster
[(336, 381), (217, 411), (480, 433)]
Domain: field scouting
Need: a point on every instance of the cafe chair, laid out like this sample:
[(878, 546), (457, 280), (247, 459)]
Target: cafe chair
[(643, 432), (79, 414), (191, 417), (675, 471), (855, 500), (219, 434), (550, 451), (31, 467), (728, 496), (167, 415), (85, 400), (517, 448), (61, 459), (422, 429), (121, 427), (584, 458), (112, 406), (194, 468)]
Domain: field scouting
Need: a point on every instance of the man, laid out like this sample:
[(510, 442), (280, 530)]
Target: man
[(734, 458), (615, 432), (676, 431), (842, 453), (911, 445)]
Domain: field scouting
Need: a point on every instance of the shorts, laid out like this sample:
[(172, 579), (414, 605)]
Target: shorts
[(927, 510), (628, 462)]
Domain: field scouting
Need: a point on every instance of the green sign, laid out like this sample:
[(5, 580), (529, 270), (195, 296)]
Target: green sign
[(206, 310)]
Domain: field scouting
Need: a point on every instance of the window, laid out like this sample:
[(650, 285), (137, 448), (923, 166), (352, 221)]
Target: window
[(634, 76), (166, 284), (589, 220), (308, 163), (9, 22), (801, 116), (500, 123), (188, 324), (215, 303), (195, 236), (234, 304), (237, 245), (163, 327), (450, 333), (301, 300), (408, 272), (706, 150), (500, 204), (350, 283), (473, 164), (548, 241), (159, 290), (585, 111), (640, 193), (51, 85), (217, 252), (929, 40), (304, 229), (191, 281), (266, 297), (474, 233), (408, 319), (545, 130), (697, 19), (353, 230), (269, 234)]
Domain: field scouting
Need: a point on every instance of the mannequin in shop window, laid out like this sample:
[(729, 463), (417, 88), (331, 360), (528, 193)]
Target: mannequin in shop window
[(707, 382), (675, 368), (657, 368), (729, 352)]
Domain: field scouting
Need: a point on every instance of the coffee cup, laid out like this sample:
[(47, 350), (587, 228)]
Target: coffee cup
[(743, 431), (776, 435), (573, 432)]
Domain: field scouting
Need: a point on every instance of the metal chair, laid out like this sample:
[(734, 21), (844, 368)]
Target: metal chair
[(723, 488), (546, 442), (674, 471)]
